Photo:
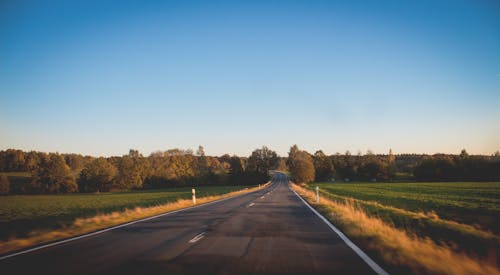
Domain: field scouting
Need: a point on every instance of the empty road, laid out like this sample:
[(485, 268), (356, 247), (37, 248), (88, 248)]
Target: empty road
[(270, 231)]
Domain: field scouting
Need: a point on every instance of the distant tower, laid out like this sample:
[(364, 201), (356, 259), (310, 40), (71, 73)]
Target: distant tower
[(392, 158), (201, 151)]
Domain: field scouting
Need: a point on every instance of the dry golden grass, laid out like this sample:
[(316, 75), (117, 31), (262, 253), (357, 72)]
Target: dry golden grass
[(428, 216), (396, 246), (87, 225)]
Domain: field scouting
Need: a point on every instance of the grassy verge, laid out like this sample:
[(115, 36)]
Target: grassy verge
[(399, 249), (475, 203), (460, 215), (71, 215)]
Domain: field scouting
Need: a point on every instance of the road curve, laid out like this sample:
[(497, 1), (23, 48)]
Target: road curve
[(270, 231)]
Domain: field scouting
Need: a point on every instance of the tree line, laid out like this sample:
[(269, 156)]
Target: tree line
[(306, 167), (67, 173)]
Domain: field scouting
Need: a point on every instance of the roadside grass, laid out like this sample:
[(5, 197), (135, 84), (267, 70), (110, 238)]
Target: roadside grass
[(401, 250), (27, 220), (464, 216), (474, 203)]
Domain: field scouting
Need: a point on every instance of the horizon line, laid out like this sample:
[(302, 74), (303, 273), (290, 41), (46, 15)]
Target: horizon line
[(353, 153)]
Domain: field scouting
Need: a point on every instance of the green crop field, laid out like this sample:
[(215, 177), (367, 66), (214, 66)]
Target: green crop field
[(21, 214), (463, 214)]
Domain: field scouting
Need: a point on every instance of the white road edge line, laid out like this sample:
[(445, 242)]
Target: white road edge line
[(379, 270), (197, 237), (116, 227)]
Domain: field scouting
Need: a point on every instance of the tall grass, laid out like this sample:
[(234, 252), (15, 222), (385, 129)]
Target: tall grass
[(431, 210), (86, 225), (396, 246), (428, 217), (472, 203)]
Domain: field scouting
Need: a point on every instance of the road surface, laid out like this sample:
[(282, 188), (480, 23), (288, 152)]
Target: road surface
[(270, 231)]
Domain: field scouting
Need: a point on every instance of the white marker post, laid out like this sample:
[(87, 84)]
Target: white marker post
[(317, 194), (194, 195)]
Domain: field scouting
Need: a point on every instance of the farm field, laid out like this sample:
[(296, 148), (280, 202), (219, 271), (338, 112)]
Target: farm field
[(21, 214), (463, 215)]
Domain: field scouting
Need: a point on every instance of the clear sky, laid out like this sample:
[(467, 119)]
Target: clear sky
[(100, 77)]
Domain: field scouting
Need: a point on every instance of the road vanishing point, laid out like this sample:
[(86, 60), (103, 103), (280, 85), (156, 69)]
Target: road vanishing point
[(268, 231)]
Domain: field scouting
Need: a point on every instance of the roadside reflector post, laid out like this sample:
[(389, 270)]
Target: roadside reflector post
[(317, 194), (194, 195), (259, 186)]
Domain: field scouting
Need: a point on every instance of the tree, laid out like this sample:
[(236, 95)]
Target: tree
[(53, 176), (464, 154), (68, 185), (391, 166), (32, 160), (236, 170), (75, 162), (346, 166), (12, 160), (437, 168), (258, 165), (181, 169), (97, 176), (4, 184), (323, 166), (203, 165), (301, 165), (282, 165), (237, 166), (262, 160), (134, 153), (373, 169), (132, 170), (291, 154), (303, 168)]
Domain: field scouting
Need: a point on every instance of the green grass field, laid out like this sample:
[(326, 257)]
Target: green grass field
[(468, 211), (21, 214)]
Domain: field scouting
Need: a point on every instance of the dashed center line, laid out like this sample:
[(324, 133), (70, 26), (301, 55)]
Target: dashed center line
[(262, 197), (250, 205), (197, 237)]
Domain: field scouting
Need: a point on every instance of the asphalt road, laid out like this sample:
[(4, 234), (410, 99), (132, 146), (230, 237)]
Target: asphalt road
[(270, 231)]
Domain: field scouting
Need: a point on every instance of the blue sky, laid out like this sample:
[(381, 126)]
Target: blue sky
[(100, 77)]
